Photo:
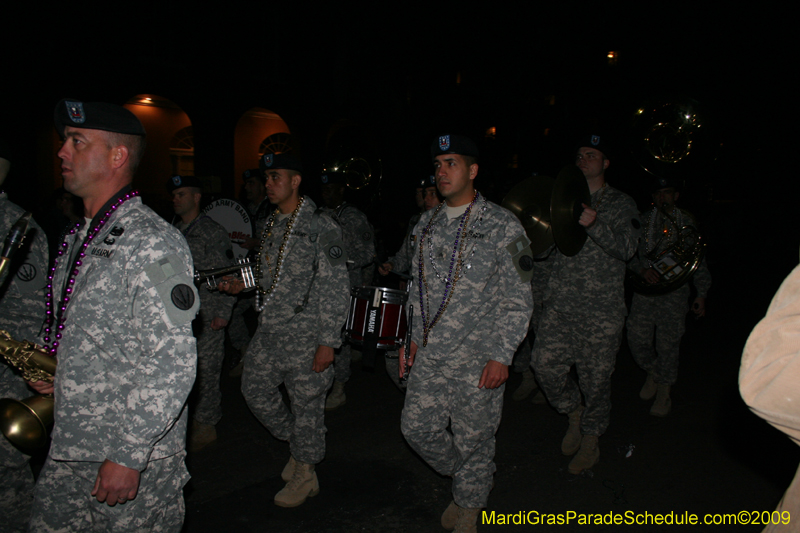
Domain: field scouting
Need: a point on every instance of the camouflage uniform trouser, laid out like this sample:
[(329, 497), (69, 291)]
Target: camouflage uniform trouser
[(665, 317), (210, 355), (237, 328), (439, 395), (341, 365), (16, 477), (589, 343), (271, 361), (64, 501), (522, 359)]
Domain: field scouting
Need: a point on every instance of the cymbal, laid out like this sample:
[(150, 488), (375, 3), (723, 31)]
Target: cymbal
[(569, 191), (529, 200)]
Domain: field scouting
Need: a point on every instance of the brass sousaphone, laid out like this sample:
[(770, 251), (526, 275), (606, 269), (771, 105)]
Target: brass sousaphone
[(549, 210), (671, 140)]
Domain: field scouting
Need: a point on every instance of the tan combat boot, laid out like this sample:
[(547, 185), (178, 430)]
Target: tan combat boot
[(467, 521), (663, 404), (450, 516), (527, 386), (200, 436), (572, 440), (648, 389), (288, 470), (587, 456), (336, 398), (303, 485)]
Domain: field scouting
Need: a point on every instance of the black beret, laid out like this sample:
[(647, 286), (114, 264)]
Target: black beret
[(334, 178), (453, 144), (280, 161), (254, 173), (663, 183), (424, 183), (595, 141), (96, 116), (176, 182)]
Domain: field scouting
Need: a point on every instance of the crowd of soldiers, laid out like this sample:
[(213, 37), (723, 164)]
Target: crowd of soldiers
[(133, 334)]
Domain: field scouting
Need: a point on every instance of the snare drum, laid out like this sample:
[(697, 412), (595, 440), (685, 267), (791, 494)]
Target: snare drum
[(377, 318)]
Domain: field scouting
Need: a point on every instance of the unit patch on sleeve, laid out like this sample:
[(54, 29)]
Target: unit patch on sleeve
[(521, 255)]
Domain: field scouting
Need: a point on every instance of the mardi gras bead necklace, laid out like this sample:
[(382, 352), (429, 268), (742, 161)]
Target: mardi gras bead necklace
[(262, 295), (453, 275), (72, 274)]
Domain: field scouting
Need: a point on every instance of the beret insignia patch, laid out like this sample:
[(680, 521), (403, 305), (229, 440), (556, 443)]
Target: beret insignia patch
[(444, 143), (75, 112), (183, 297)]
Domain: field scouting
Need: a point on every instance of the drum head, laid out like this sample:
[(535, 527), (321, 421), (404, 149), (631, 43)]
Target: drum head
[(232, 216)]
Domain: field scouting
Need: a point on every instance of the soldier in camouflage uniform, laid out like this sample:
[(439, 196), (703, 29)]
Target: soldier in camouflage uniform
[(21, 315), (400, 263), (211, 248), (584, 310), (402, 260), (473, 303), (359, 241), (123, 300), (302, 294), (664, 315)]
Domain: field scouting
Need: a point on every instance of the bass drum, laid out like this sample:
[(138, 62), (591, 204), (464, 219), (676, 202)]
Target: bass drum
[(232, 216)]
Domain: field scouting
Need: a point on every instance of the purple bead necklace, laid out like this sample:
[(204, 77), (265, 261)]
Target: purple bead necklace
[(453, 275), (52, 347)]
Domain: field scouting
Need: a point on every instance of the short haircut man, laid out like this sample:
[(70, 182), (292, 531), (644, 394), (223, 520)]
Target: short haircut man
[(123, 300)]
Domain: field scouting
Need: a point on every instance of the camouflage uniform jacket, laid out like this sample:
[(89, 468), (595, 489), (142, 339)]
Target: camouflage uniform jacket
[(654, 224), (592, 281), (489, 311), (21, 290), (127, 359), (211, 248), (359, 241), (402, 260), (287, 314)]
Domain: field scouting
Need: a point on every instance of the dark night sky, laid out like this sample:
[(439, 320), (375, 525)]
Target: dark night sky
[(392, 69)]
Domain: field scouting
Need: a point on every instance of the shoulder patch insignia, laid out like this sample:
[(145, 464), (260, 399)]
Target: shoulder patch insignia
[(367, 236), (26, 272), (182, 296), (522, 257), (333, 245)]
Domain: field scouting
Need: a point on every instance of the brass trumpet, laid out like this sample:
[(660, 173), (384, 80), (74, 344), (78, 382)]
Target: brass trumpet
[(26, 423), (213, 276)]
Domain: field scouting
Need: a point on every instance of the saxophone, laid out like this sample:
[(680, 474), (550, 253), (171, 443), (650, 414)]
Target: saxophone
[(25, 423)]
